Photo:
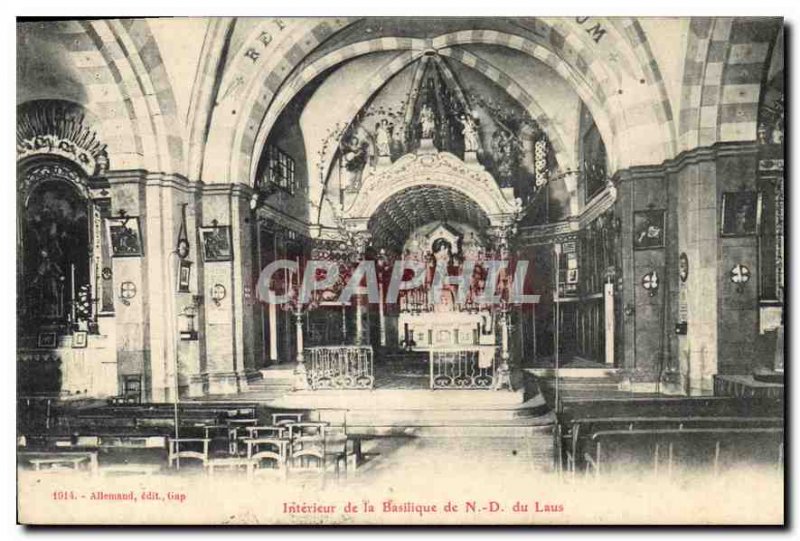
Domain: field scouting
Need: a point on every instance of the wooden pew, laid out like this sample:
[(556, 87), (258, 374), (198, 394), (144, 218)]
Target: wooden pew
[(580, 430), (665, 449)]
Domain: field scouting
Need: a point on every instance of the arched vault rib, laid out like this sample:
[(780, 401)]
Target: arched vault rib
[(308, 73)]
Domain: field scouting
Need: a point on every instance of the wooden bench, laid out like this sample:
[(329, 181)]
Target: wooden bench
[(611, 450), (578, 430), (60, 460)]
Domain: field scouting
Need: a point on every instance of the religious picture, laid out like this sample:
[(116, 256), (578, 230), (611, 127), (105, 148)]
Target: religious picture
[(184, 274), (740, 213), (648, 229), (126, 241), (47, 340), (216, 242)]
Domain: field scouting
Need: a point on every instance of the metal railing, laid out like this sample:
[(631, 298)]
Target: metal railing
[(340, 367), (463, 368)]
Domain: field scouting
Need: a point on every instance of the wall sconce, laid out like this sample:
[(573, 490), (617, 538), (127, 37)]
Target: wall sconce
[(127, 291), (650, 283), (218, 293), (740, 275)]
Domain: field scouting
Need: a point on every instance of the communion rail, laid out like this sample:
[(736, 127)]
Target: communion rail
[(340, 367), (463, 367)]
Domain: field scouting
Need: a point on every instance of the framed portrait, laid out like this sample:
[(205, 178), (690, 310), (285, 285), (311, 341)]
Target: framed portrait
[(216, 243), (648, 229), (741, 213), (47, 340), (184, 275), (572, 276), (125, 236), (79, 339)]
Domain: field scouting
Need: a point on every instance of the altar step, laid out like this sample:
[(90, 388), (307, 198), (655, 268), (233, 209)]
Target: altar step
[(425, 413)]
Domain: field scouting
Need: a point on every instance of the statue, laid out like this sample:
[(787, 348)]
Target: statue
[(442, 257), (382, 138), (470, 131), (427, 121)]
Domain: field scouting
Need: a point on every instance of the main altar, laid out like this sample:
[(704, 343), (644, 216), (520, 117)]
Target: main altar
[(432, 318)]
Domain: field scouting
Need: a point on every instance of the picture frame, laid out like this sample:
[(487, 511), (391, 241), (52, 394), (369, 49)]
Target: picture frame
[(649, 229), (184, 275), (572, 276), (125, 236), (79, 339), (47, 340), (740, 213), (216, 243)]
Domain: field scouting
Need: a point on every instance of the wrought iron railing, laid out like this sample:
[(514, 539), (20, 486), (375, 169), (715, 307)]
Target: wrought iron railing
[(463, 368), (340, 367)]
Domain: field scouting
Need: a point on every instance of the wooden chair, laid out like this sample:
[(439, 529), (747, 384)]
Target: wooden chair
[(279, 432), (236, 432), (230, 463), (283, 419), (194, 448), (270, 450)]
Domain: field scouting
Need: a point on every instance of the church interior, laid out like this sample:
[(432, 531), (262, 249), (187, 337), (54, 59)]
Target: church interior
[(635, 164)]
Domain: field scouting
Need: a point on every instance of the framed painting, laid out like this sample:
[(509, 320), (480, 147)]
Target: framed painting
[(47, 340), (648, 229), (741, 214), (216, 243), (184, 275), (125, 236)]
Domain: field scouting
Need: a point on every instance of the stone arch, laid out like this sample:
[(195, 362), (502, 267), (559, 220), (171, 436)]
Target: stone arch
[(726, 59), (131, 53), (309, 72), (440, 169), (255, 73), (96, 85), (591, 81)]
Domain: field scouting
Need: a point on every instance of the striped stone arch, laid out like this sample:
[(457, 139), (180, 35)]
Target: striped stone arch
[(565, 159), (625, 121), (143, 91), (310, 71), (267, 57), (726, 61), (654, 79), (111, 116)]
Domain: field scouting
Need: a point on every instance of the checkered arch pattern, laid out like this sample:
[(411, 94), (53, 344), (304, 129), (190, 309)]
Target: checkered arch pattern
[(128, 88), (726, 59)]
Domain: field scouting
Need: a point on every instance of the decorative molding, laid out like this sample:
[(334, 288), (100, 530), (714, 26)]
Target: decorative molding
[(437, 169), (50, 170), (59, 128)]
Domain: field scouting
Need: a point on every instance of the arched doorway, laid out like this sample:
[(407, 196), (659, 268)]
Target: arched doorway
[(55, 263)]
